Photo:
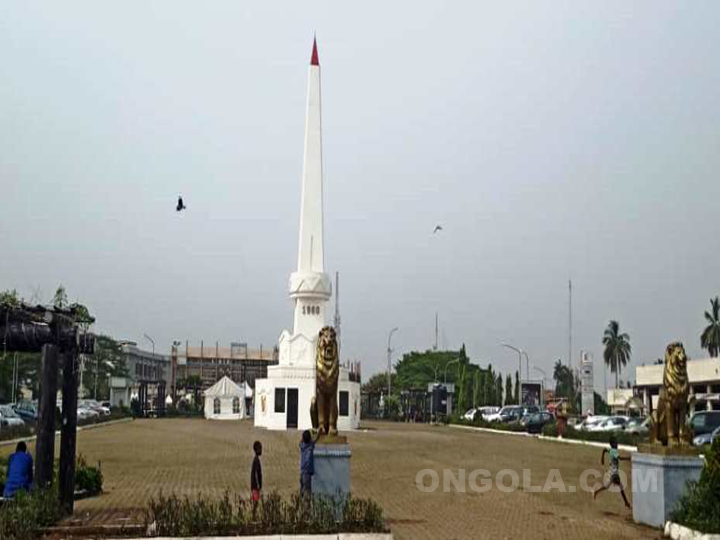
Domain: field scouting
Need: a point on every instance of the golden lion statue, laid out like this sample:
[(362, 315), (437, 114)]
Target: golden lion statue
[(324, 407), (669, 426)]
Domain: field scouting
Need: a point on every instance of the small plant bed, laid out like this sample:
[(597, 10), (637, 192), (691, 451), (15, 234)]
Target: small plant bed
[(699, 509), (233, 516)]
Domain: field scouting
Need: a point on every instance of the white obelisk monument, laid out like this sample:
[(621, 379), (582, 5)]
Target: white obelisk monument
[(282, 400)]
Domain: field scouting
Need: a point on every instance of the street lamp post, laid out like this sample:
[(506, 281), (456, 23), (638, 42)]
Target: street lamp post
[(520, 353), (389, 351), (527, 366), (151, 340), (446, 366)]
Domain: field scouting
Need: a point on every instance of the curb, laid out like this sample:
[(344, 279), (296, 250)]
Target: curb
[(679, 532), (624, 447), (335, 536), (80, 428)]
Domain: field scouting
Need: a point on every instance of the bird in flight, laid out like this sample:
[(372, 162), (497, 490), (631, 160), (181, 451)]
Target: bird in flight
[(180, 205), (437, 228)]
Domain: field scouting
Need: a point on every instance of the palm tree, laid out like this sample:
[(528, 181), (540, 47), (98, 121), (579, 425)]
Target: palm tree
[(710, 338), (617, 349)]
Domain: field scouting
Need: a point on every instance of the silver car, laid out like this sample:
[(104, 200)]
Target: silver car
[(8, 417)]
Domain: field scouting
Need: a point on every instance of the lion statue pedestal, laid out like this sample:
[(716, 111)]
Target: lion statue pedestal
[(332, 452), (660, 470)]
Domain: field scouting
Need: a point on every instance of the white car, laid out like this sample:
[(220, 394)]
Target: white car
[(470, 414), (95, 406), (85, 413), (591, 422), (614, 423), (8, 417)]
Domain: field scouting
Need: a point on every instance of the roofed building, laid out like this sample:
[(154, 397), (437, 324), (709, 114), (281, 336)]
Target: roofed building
[(213, 362)]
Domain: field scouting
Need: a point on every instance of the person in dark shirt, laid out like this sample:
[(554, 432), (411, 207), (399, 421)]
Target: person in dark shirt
[(307, 462), (20, 471), (256, 476)]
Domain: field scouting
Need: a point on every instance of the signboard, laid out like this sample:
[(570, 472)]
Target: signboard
[(587, 384), (531, 393)]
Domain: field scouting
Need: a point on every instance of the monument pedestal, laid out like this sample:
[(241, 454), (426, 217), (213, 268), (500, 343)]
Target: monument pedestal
[(332, 470), (658, 482)]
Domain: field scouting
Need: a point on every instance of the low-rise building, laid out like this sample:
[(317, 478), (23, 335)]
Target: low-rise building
[(703, 375), (212, 362), (147, 372)]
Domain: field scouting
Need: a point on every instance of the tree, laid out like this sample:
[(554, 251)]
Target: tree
[(462, 391), (490, 386), (482, 388), (710, 338), (509, 398), (60, 299), (617, 349), (517, 387), (9, 298), (499, 390), (476, 389), (378, 383)]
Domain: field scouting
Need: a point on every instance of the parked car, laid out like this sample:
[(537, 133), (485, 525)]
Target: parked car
[(27, 410), (470, 414), (703, 422), (638, 426), (8, 417), (86, 413), (614, 423), (95, 406), (512, 413), (590, 422), (706, 438), (537, 421)]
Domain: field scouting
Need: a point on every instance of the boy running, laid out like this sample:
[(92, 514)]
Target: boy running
[(612, 477)]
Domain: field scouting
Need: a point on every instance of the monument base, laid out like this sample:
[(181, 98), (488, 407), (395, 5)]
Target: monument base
[(658, 482), (332, 470)]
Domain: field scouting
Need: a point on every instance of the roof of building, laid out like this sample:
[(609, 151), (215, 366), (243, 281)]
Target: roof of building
[(225, 387), (227, 353)]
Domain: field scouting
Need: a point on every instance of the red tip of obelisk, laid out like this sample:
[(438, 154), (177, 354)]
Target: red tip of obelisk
[(314, 59)]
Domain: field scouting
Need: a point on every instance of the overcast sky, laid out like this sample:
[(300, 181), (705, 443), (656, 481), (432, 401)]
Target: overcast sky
[(552, 140)]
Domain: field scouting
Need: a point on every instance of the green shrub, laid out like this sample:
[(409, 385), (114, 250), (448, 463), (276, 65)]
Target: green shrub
[(172, 516), (87, 478), (27, 512), (699, 508)]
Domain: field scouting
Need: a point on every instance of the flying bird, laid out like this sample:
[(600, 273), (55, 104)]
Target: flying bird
[(437, 228), (180, 206)]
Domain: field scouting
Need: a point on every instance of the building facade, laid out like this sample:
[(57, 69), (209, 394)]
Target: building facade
[(704, 377), (212, 363), (144, 368)]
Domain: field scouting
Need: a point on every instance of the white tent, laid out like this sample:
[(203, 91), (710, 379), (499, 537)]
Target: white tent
[(225, 400)]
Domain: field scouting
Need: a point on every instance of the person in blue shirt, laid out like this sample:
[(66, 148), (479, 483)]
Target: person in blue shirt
[(307, 463), (20, 471)]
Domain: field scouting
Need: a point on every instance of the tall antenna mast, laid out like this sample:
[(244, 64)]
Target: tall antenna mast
[(337, 307), (570, 323), (436, 331)]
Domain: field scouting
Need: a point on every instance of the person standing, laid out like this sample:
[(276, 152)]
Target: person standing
[(20, 471), (307, 463), (256, 477)]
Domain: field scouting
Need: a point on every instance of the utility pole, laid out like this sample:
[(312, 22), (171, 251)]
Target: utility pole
[(570, 323)]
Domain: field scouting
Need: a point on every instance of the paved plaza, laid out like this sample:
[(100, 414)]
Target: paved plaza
[(141, 458)]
